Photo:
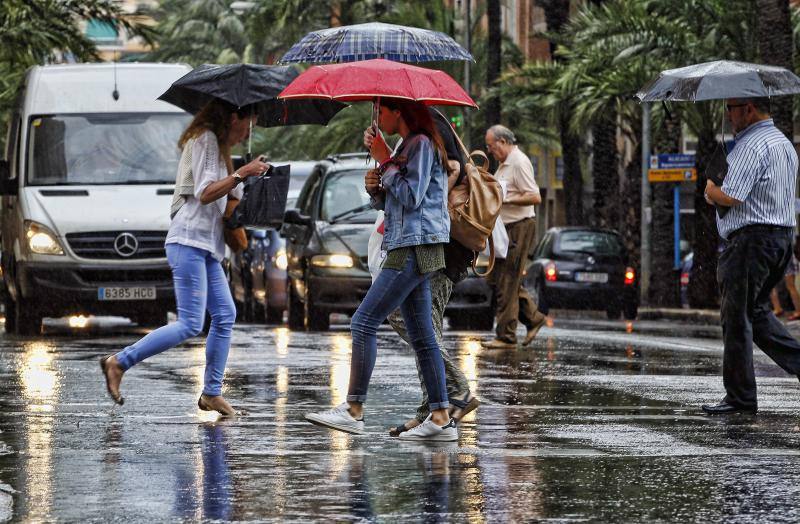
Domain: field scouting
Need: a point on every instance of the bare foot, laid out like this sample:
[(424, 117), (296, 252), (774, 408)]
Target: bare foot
[(113, 373), (216, 403)]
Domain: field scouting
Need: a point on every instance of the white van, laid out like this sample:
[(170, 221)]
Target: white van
[(86, 186)]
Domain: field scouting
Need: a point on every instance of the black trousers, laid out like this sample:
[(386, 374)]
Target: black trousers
[(752, 264)]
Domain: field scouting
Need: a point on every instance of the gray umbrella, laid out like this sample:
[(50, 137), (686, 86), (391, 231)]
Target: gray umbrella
[(718, 80)]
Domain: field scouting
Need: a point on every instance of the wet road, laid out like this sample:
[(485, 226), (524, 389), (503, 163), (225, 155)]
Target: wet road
[(596, 421)]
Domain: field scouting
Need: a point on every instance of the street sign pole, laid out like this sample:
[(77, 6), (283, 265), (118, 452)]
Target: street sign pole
[(676, 208), (644, 280)]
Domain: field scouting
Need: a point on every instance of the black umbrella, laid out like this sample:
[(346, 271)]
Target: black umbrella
[(719, 80), (245, 84)]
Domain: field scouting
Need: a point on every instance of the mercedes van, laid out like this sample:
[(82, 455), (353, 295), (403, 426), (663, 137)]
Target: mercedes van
[(86, 186)]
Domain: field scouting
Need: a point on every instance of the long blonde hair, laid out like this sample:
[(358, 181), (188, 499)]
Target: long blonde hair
[(215, 117)]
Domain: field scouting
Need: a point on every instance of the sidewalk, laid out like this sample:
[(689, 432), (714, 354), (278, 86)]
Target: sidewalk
[(695, 316)]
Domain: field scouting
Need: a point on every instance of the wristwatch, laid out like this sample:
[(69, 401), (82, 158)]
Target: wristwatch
[(238, 178)]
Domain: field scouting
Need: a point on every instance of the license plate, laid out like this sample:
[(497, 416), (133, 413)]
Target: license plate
[(599, 278), (126, 293)]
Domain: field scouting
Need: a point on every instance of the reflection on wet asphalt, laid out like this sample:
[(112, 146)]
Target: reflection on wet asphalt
[(596, 421)]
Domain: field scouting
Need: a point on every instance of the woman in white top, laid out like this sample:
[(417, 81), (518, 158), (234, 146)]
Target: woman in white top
[(195, 248)]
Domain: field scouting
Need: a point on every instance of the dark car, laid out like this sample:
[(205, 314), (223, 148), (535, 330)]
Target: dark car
[(584, 268), (258, 274), (471, 305), (258, 277), (326, 243)]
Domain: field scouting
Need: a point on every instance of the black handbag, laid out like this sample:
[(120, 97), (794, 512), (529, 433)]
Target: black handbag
[(264, 201)]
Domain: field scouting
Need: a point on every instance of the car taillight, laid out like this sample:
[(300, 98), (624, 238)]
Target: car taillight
[(551, 273), (630, 276)]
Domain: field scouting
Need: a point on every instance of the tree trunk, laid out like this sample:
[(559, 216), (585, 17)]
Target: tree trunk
[(631, 198), (775, 47), (573, 177), (605, 172), (703, 288), (556, 15), (491, 109), (665, 280)]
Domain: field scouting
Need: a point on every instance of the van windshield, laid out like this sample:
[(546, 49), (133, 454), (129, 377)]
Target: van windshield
[(107, 148)]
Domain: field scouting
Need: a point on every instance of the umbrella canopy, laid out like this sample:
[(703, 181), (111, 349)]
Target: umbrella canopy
[(367, 80), (718, 80), (374, 40), (245, 84)]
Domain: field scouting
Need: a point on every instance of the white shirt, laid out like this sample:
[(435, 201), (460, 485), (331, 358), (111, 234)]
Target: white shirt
[(196, 224), (516, 176), (762, 174)]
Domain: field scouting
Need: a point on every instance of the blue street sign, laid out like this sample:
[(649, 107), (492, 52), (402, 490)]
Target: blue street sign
[(671, 161)]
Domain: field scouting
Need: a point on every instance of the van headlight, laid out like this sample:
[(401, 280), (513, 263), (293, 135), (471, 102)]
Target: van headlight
[(333, 260), (41, 240), (280, 260)]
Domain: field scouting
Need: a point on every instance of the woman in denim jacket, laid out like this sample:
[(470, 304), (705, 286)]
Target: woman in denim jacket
[(411, 187)]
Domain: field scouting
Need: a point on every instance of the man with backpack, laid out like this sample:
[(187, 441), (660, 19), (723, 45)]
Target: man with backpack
[(514, 303)]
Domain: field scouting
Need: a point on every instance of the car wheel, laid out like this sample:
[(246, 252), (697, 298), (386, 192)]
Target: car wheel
[(541, 303), (472, 321), (296, 313), (613, 313), (152, 318), (274, 315), (11, 313), (28, 320), (316, 319), (631, 310)]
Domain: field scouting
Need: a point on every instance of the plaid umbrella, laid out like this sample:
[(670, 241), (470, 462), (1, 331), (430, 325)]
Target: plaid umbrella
[(374, 40)]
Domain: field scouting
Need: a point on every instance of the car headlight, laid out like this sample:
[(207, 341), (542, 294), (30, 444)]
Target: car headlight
[(333, 260), (280, 260), (41, 240)]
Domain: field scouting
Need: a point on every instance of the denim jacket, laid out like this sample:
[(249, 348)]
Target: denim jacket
[(415, 197)]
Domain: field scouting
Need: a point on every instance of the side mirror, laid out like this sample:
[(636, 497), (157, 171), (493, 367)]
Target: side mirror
[(293, 216)]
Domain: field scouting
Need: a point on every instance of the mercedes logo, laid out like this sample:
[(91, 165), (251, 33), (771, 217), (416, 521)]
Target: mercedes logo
[(126, 245)]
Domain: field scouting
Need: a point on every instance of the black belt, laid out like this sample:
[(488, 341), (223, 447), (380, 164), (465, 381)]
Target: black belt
[(760, 228)]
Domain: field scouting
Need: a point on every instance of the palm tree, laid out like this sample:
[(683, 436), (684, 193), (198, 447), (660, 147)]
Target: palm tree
[(616, 48), (38, 31), (199, 31), (775, 47), (492, 108)]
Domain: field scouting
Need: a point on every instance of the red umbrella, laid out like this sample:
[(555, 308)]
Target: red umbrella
[(369, 79)]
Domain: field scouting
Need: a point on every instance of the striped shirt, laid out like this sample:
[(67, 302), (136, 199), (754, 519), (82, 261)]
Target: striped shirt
[(762, 174)]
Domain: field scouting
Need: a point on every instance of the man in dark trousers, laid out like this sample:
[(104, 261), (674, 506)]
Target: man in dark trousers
[(514, 303), (759, 191)]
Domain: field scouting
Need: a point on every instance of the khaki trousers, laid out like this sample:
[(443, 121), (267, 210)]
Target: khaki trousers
[(513, 300)]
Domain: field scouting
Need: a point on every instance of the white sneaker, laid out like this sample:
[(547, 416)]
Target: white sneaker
[(338, 418), (431, 431)]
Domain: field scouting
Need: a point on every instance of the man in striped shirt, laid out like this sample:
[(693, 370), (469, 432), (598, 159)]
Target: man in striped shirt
[(758, 229)]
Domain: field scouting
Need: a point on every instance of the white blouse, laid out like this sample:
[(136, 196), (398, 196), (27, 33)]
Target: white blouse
[(196, 224)]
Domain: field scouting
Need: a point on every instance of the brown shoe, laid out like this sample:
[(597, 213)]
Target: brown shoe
[(498, 343), (458, 413), (113, 374), (216, 403), (538, 321)]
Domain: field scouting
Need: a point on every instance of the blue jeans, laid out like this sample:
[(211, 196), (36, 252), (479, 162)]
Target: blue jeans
[(199, 283), (412, 293)]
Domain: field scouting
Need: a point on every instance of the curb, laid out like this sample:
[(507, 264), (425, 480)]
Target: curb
[(694, 316)]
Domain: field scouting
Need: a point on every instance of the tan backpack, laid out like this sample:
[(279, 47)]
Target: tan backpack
[(474, 205)]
